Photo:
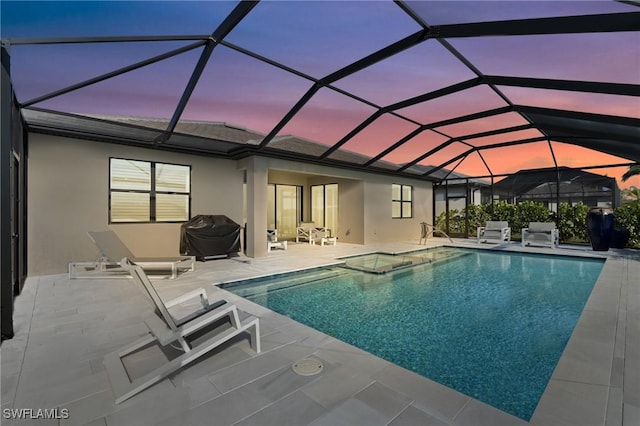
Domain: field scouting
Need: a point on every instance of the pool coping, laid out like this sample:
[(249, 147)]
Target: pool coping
[(575, 394)]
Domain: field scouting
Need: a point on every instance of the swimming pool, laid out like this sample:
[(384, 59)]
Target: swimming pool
[(491, 325)]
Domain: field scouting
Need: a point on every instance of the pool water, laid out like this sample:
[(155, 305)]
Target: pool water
[(490, 325)]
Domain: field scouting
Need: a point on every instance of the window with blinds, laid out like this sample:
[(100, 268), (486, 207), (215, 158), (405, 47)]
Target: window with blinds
[(144, 191), (401, 201)]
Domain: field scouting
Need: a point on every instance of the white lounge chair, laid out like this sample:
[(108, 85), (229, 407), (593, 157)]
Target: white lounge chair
[(541, 233), (272, 240), (494, 230), (212, 325), (112, 250)]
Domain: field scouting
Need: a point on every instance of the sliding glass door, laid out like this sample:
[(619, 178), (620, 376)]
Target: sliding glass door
[(284, 209), (324, 206)]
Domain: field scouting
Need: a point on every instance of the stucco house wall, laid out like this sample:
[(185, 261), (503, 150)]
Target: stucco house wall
[(69, 192)]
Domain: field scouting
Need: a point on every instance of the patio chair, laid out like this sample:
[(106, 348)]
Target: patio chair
[(322, 236), (197, 333), (112, 249), (308, 231), (272, 240), (494, 230), (541, 233)]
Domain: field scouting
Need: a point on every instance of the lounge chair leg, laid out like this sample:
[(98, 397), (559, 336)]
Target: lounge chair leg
[(255, 337), (183, 343)]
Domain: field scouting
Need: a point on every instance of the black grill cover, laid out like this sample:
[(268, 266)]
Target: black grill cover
[(209, 235)]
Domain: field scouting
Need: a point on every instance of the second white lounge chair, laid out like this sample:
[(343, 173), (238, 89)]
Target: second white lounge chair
[(494, 230), (541, 233)]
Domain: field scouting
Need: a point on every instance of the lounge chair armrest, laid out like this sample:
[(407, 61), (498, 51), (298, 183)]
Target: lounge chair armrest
[(188, 296)]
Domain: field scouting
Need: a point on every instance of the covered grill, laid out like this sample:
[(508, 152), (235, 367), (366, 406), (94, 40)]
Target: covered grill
[(209, 236)]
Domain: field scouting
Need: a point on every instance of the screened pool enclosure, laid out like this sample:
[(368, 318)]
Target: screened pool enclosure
[(428, 90)]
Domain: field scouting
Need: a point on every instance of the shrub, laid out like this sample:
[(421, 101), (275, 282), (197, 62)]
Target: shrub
[(573, 222), (456, 221), (504, 211), (478, 215), (628, 216), (529, 211)]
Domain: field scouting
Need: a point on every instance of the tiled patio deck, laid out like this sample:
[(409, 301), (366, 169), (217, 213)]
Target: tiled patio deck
[(65, 327)]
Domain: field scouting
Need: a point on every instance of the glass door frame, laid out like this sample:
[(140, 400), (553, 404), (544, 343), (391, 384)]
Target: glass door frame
[(324, 205), (272, 210)]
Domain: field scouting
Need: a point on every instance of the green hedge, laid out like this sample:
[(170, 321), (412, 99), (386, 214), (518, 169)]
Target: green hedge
[(572, 224), (628, 216)]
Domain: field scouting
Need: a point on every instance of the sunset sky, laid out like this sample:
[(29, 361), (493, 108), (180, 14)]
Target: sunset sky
[(318, 38)]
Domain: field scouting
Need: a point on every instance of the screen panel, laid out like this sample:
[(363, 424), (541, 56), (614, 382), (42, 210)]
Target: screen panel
[(493, 122), (327, 117), (458, 12), (412, 72), (505, 137), (476, 99), (511, 159), (597, 103), (122, 18), (607, 57), (151, 91), (415, 147), (321, 37), (244, 91), (379, 135)]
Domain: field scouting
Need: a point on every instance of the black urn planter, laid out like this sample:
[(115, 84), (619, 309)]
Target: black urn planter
[(600, 228)]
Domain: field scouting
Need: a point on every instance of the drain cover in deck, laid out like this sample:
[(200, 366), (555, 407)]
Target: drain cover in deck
[(307, 367)]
